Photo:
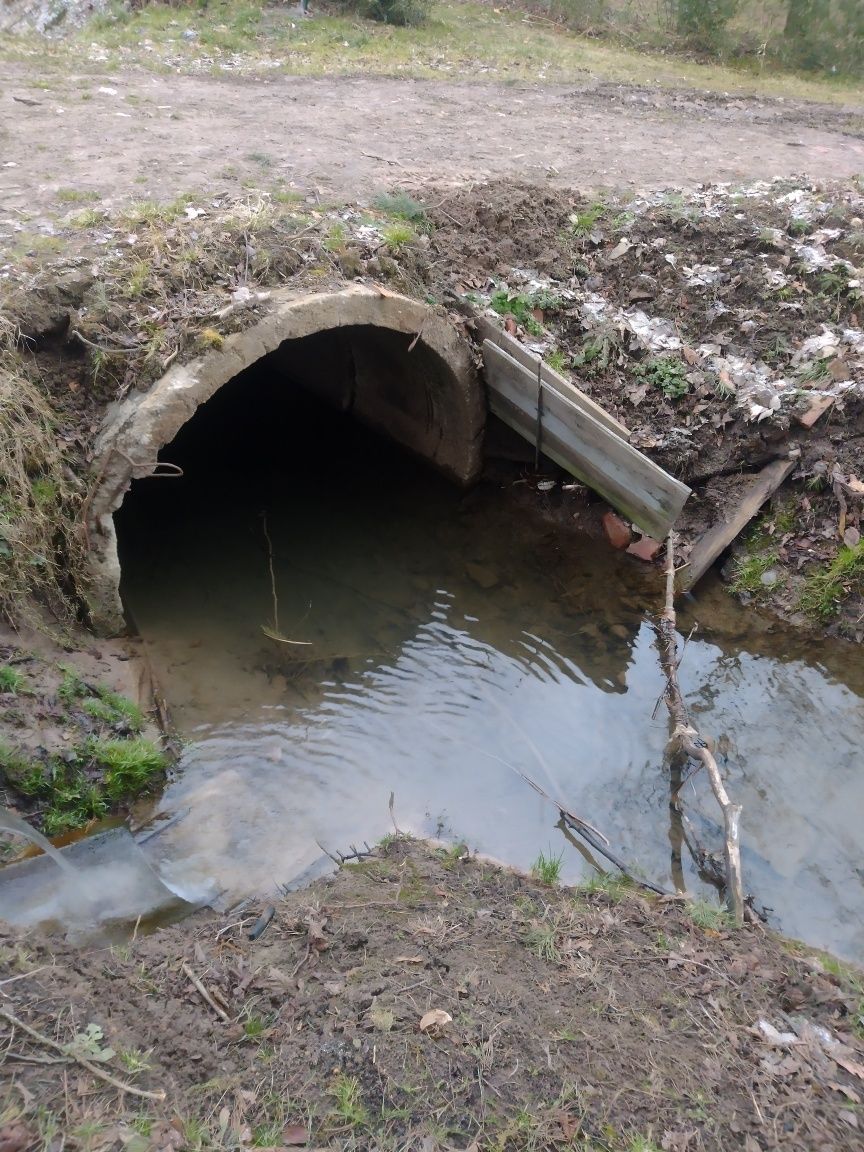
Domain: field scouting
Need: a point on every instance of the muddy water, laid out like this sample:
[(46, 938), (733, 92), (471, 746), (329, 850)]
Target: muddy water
[(448, 641)]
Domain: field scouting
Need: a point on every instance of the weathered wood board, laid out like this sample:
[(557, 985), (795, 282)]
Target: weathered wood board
[(583, 445), (530, 360), (717, 539)]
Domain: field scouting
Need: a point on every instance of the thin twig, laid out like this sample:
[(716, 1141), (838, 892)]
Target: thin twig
[(274, 633), (586, 835), (21, 976), (101, 347), (685, 739), (272, 572), (391, 806), (93, 1069), (205, 995)]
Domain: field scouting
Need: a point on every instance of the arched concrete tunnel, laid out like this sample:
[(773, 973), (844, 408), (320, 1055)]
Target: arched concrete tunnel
[(393, 363)]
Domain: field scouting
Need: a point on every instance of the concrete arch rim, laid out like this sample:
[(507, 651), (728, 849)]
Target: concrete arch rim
[(140, 424)]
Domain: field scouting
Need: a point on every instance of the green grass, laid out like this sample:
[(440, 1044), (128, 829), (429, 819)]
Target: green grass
[(336, 236), (99, 702), (74, 802), (75, 195), (10, 680), (558, 361), (824, 592), (851, 980), (400, 206), (761, 556), (134, 1060), (114, 709), (706, 915), (398, 235), (642, 1144), (349, 1107), (547, 869), (609, 883), (72, 792), (582, 223), (131, 766)]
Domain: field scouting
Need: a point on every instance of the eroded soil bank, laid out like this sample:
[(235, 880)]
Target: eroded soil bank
[(590, 1019)]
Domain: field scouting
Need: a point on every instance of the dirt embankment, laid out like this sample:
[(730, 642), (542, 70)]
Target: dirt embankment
[(722, 325), (422, 999)]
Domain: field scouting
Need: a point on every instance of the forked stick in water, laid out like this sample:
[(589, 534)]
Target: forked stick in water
[(686, 741)]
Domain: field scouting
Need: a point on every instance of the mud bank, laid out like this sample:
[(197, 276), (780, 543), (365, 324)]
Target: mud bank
[(425, 999)]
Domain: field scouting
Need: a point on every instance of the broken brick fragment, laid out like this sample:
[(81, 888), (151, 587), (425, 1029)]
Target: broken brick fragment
[(617, 532)]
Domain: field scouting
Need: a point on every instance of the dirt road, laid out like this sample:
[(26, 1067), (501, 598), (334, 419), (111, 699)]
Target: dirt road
[(146, 136)]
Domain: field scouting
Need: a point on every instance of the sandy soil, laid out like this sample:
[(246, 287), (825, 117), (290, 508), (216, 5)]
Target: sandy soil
[(158, 136)]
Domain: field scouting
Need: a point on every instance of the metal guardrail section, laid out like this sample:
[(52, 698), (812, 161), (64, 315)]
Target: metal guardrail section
[(574, 431)]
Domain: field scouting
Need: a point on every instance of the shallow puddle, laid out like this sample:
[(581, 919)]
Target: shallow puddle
[(449, 639)]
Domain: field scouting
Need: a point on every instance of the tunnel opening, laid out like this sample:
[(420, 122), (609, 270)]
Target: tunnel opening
[(388, 363), (263, 480)]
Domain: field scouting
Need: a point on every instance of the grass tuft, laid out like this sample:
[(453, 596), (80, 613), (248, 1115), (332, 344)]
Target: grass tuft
[(824, 592), (547, 869), (131, 766), (710, 916), (610, 884), (398, 235), (349, 1106), (400, 206), (10, 680)]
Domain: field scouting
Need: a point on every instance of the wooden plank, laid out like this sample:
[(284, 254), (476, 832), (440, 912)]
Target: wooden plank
[(530, 360), (718, 538), (579, 443)]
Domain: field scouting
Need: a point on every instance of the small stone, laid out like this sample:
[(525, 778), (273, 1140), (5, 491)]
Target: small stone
[(482, 576), (617, 532), (839, 370), (851, 537), (769, 578)]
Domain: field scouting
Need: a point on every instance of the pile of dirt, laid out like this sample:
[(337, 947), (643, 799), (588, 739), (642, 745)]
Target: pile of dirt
[(722, 326), (425, 999)]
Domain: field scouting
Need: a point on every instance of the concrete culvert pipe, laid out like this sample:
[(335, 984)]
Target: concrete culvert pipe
[(392, 362)]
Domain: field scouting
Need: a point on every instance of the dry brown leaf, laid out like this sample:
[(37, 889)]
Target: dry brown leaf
[(315, 929), (295, 1134), (850, 1066), (849, 1093), (435, 1018)]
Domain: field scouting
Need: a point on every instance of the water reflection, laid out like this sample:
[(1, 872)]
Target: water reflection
[(452, 642)]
